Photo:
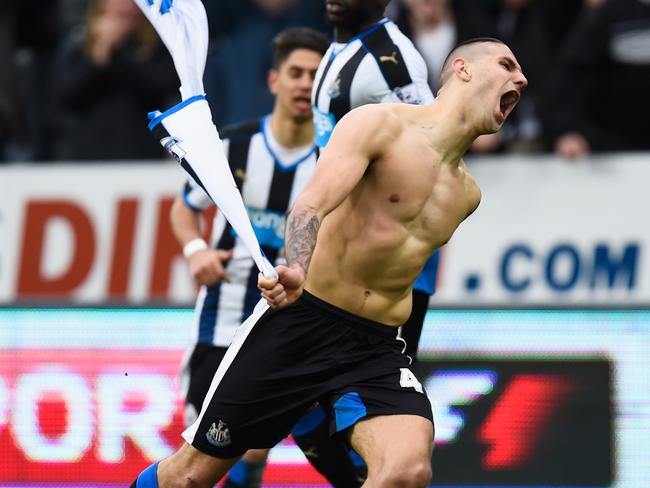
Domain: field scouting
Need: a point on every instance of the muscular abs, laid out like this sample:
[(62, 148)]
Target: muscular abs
[(372, 247)]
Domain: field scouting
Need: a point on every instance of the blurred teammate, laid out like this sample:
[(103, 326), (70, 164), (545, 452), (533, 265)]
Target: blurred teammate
[(389, 189), (271, 158), (371, 61)]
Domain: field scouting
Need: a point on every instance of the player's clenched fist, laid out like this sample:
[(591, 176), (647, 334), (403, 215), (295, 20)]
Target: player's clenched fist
[(284, 290)]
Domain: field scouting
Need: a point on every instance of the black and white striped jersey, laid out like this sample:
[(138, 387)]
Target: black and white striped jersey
[(270, 178), (379, 65)]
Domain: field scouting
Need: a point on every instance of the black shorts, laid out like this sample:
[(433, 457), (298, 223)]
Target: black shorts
[(198, 373), (283, 361)]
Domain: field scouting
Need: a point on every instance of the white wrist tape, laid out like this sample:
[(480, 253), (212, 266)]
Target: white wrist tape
[(195, 245)]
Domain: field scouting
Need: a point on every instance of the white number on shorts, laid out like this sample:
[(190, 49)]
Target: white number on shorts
[(408, 380)]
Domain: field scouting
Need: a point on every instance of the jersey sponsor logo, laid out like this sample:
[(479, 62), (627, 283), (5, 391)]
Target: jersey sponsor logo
[(324, 124), (218, 434), (389, 59), (334, 90), (268, 227), (407, 94), (171, 145)]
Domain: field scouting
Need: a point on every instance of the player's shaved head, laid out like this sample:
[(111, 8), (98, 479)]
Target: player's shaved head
[(469, 50)]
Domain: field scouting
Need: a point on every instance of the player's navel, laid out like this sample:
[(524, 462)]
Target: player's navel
[(394, 198), (366, 295)]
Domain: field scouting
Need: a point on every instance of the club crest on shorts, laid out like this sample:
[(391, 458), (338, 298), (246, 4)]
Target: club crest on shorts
[(218, 434)]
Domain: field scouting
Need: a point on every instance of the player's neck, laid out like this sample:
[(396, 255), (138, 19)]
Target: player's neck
[(291, 133), (452, 121), (344, 34)]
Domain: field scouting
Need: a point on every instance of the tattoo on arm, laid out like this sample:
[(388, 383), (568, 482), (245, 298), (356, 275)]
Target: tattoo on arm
[(302, 229)]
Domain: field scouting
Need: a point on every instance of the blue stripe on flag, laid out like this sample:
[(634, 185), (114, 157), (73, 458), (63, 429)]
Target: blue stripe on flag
[(159, 118)]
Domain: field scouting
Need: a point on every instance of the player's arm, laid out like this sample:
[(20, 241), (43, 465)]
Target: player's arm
[(206, 265), (360, 137)]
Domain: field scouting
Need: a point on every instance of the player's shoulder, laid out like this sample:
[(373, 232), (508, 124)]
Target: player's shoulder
[(378, 117), (389, 36), (399, 62), (398, 37), (241, 130), (381, 112), (410, 53)]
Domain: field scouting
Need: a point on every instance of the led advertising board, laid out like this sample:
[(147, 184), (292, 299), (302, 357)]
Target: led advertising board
[(520, 397)]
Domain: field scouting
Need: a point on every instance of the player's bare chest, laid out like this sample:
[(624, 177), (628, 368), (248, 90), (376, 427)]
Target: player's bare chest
[(425, 190)]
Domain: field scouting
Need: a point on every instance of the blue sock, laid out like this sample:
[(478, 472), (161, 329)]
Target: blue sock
[(148, 478), (309, 422), (245, 474), (238, 473), (356, 459)]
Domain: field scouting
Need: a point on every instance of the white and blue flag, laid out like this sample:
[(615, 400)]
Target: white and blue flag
[(189, 134)]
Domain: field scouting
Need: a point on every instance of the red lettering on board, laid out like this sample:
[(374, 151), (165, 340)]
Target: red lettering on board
[(31, 279)]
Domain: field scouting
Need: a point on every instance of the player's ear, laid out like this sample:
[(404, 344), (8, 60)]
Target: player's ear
[(272, 81), (461, 69)]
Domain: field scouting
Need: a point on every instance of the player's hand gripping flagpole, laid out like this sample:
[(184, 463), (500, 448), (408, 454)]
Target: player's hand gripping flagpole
[(187, 130)]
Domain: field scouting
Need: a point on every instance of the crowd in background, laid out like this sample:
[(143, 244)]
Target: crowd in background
[(80, 76)]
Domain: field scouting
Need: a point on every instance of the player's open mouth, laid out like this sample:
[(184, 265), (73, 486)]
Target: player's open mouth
[(302, 103), (508, 101)]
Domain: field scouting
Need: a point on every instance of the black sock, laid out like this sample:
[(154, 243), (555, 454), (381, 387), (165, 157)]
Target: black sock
[(329, 456)]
